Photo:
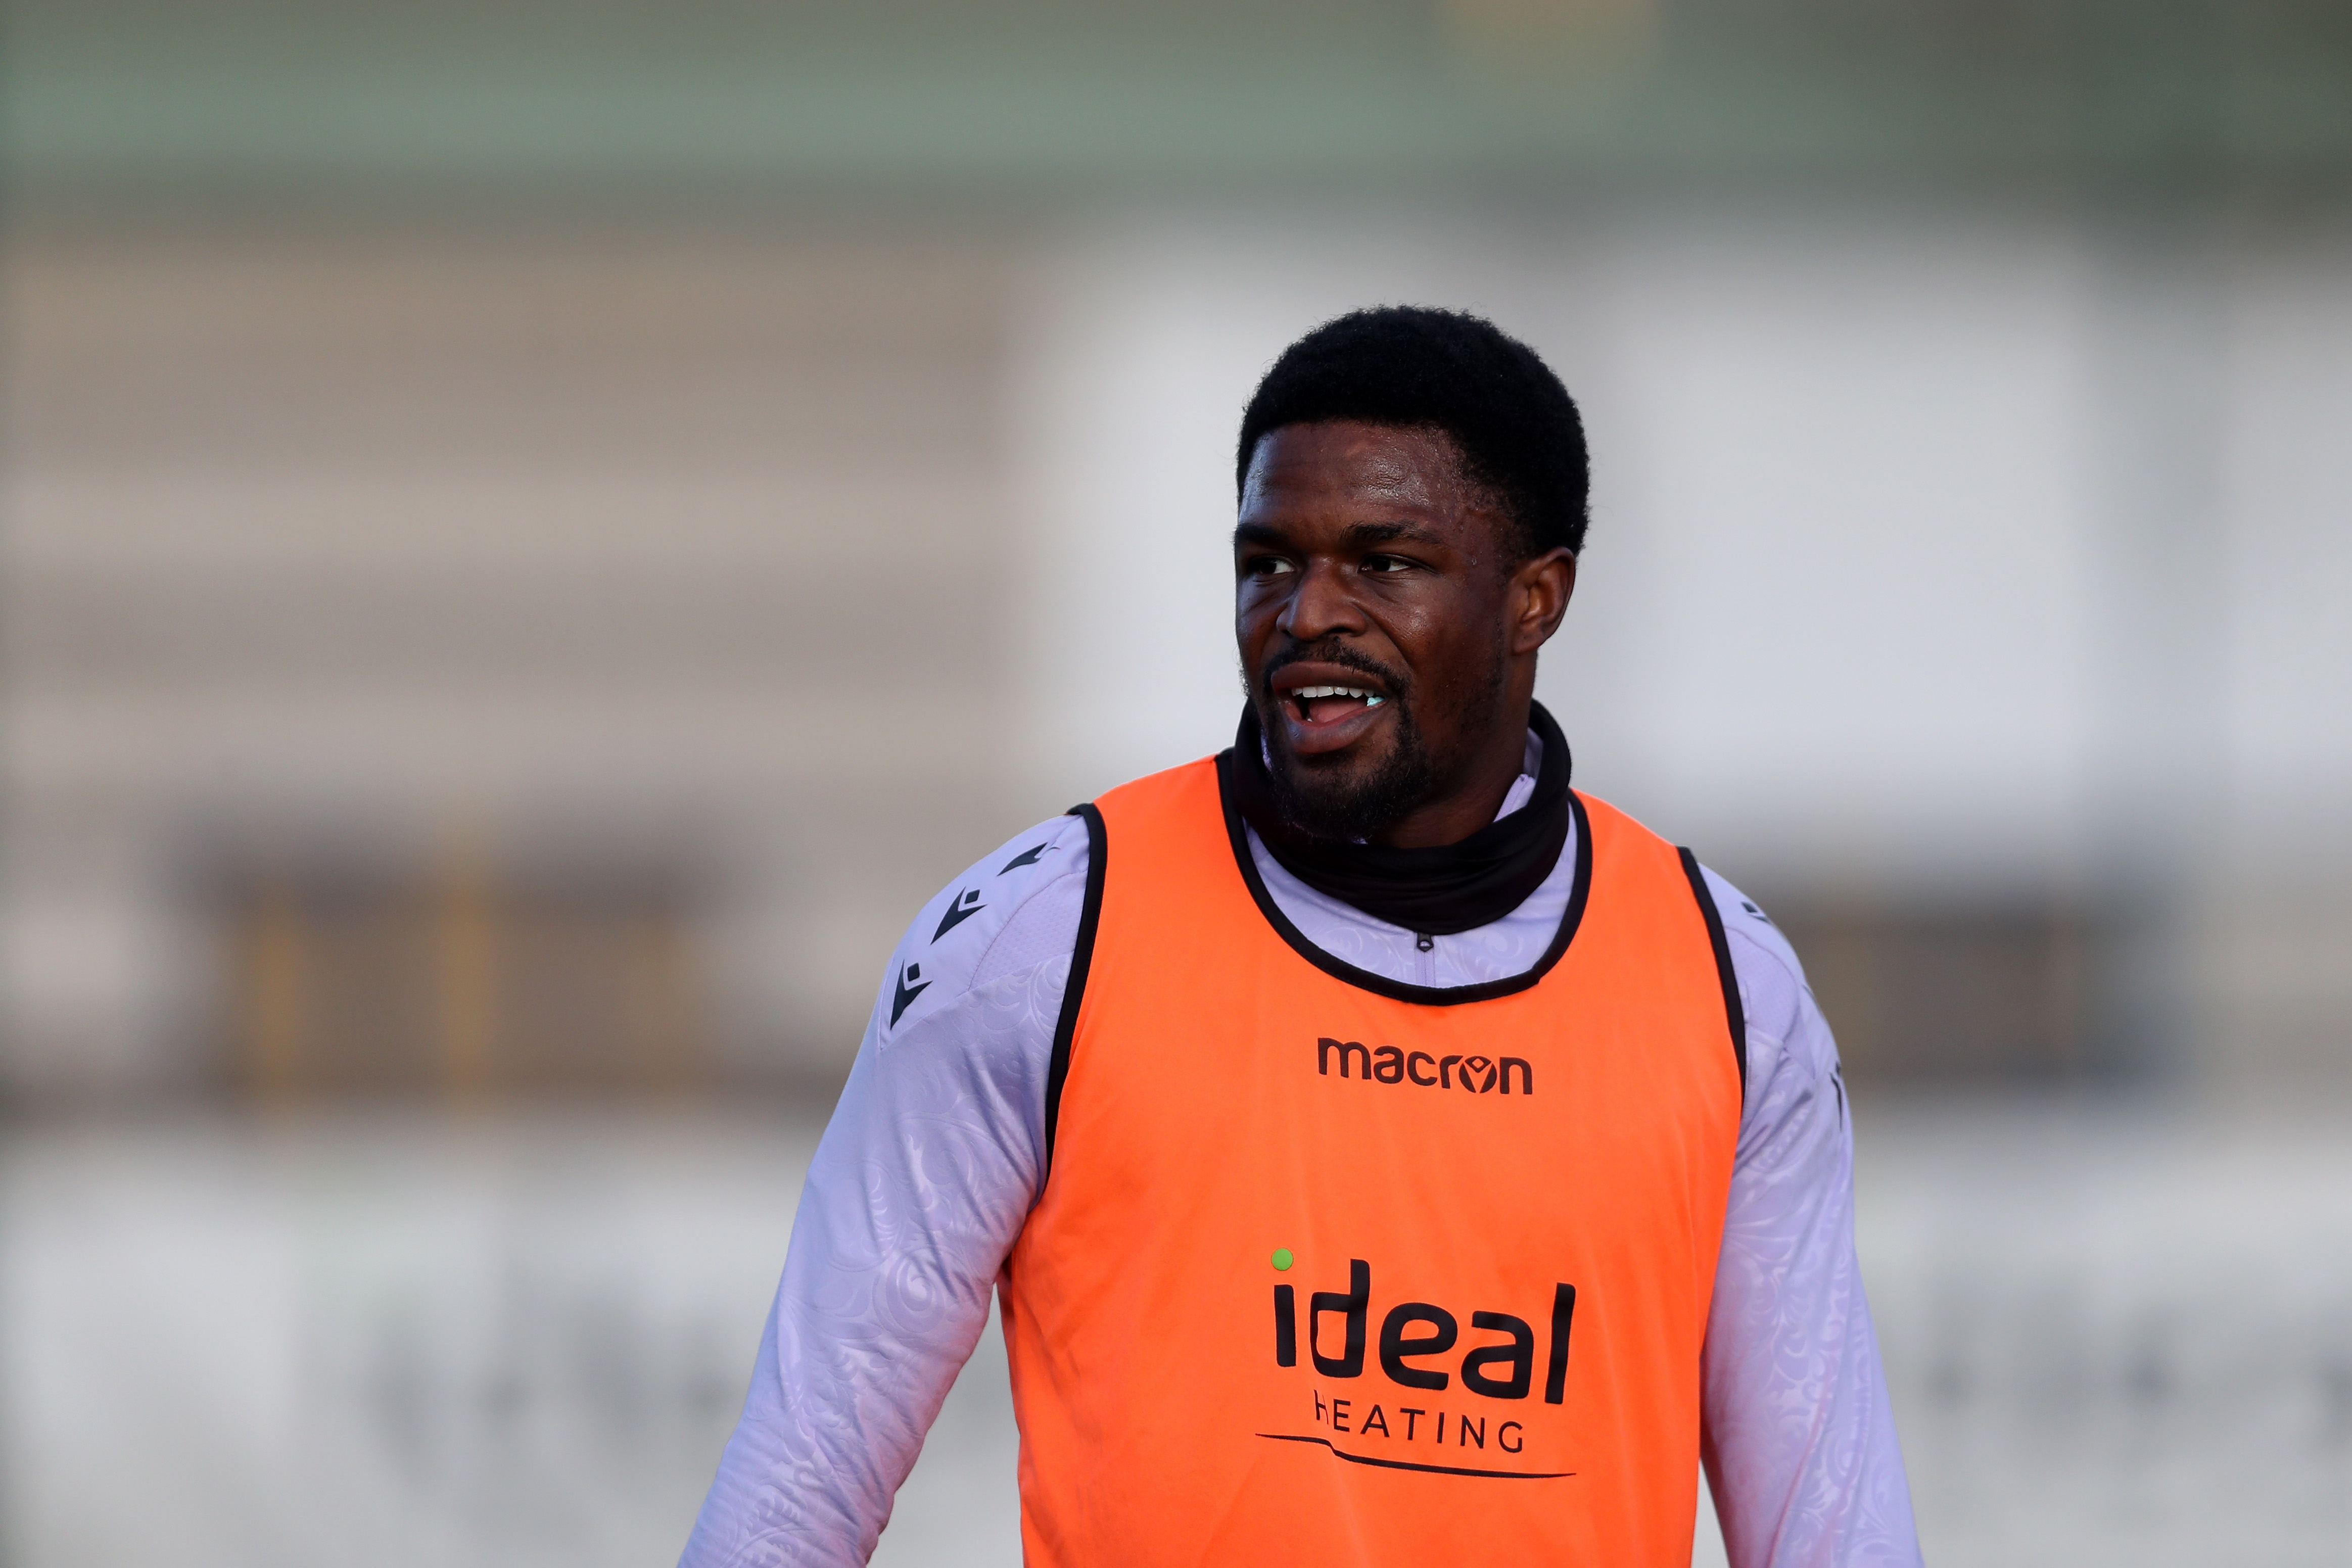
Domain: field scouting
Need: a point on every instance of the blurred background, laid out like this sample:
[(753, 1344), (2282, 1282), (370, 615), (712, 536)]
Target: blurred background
[(537, 533)]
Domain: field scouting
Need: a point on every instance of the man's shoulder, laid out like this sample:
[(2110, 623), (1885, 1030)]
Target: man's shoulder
[(1759, 948), (1756, 943), (1003, 914), (1784, 1023)]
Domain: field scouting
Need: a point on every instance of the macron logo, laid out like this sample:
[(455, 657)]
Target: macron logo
[(1478, 1074)]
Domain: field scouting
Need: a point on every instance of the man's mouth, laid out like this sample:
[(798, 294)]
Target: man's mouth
[(1328, 705), (1325, 706)]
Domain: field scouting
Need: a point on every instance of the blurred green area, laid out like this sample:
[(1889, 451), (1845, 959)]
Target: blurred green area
[(1045, 96)]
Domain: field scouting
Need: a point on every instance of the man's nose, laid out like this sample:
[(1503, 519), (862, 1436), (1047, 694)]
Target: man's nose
[(1321, 606)]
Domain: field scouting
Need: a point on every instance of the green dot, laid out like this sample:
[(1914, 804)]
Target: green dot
[(1282, 1258)]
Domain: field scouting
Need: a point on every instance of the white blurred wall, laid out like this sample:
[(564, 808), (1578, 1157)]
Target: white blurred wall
[(2112, 1340), (1902, 578), (1939, 555)]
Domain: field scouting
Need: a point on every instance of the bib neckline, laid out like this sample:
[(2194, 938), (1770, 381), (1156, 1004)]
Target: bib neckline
[(1237, 837)]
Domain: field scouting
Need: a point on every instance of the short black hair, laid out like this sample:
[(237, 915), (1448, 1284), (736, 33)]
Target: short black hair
[(1412, 367)]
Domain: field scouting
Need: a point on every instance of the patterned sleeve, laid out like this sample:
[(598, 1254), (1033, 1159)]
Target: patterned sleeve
[(922, 1181), (1799, 1440)]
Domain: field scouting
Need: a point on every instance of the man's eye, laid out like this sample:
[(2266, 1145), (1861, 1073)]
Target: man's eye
[(1266, 566), (1386, 563)]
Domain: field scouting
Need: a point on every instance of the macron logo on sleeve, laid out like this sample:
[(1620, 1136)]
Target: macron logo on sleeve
[(967, 904), (910, 984)]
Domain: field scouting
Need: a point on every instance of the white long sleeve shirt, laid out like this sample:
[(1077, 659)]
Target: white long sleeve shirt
[(936, 1155)]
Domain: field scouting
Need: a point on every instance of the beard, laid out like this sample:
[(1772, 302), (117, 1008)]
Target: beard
[(1339, 798), (1343, 798)]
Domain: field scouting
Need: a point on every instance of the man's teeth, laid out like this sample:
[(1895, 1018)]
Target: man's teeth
[(1305, 693)]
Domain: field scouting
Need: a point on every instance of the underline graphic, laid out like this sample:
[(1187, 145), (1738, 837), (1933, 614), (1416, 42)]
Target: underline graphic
[(1409, 1465)]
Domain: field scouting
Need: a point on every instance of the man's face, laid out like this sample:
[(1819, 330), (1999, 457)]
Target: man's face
[(1379, 615)]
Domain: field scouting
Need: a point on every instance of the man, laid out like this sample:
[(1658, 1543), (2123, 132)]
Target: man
[(1382, 1153)]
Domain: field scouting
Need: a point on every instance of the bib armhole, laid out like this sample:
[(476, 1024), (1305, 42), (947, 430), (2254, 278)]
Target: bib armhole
[(1736, 1015), (1082, 954)]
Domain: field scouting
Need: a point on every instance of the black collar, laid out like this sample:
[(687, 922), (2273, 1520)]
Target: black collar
[(1437, 891)]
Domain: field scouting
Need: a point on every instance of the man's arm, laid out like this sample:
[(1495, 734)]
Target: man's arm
[(1799, 1440), (924, 1177)]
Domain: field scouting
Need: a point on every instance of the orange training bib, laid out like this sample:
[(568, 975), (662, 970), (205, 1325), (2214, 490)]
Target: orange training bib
[(1331, 1270)]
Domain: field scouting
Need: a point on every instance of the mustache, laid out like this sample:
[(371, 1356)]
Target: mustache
[(1337, 653)]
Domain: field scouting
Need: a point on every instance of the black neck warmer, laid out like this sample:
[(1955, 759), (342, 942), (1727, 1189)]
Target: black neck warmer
[(1437, 891)]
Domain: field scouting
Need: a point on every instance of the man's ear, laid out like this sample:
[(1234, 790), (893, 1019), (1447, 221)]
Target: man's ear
[(1540, 589)]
